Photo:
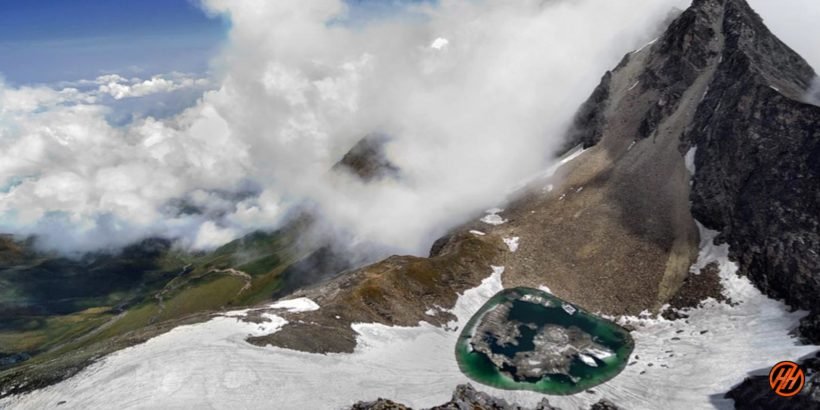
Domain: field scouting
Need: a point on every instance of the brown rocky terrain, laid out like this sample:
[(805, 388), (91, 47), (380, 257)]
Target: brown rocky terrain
[(707, 122), (611, 231), (466, 397)]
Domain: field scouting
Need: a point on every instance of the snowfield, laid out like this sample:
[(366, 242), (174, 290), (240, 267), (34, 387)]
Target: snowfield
[(681, 364)]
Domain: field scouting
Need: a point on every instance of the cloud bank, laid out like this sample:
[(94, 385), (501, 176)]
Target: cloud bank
[(474, 95)]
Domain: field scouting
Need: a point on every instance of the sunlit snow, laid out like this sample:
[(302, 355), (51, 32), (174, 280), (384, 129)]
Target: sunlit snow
[(296, 305), (512, 243), (681, 364)]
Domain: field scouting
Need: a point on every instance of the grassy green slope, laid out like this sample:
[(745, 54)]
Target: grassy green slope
[(129, 297)]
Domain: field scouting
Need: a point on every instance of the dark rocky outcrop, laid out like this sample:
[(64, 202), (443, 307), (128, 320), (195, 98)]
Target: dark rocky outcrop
[(604, 404), (367, 159), (394, 291), (810, 328), (754, 393), (740, 93), (380, 404), (758, 160), (696, 288), (587, 126), (465, 397), (756, 150)]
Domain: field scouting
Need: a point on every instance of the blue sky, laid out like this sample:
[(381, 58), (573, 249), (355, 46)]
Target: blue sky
[(55, 40), (46, 41)]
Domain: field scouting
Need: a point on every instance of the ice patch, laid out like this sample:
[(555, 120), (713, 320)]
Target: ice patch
[(689, 160), (492, 217), (587, 360), (512, 243), (236, 313), (599, 354), (545, 289), (477, 233), (296, 305), (705, 92)]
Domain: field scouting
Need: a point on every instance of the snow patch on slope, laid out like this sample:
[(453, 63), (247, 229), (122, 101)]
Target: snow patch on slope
[(512, 243), (493, 218), (689, 160), (296, 305)]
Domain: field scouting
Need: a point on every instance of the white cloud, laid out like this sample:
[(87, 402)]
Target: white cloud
[(119, 87), (439, 43), (293, 95), (210, 235)]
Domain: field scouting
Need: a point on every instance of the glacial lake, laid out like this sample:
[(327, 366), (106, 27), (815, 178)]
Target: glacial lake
[(527, 339)]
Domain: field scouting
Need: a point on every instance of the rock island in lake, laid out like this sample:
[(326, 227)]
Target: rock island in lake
[(527, 339)]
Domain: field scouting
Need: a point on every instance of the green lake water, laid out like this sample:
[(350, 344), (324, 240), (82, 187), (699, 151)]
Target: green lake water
[(480, 368)]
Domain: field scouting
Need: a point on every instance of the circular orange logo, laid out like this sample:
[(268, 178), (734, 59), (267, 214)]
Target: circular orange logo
[(786, 379)]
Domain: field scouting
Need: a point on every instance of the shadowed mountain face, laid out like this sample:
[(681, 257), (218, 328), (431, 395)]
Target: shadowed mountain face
[(738, 91), (758, 160)]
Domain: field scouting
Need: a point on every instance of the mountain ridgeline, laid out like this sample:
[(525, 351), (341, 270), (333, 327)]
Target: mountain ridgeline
[(737, 96)]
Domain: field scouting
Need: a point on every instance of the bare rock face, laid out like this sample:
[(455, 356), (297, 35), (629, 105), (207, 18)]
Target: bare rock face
[(380, 404), (755, 145), (722, 84), (604, 404), (465, 397), (758, 160), (754, 393), (394, 291), (367, 159)]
